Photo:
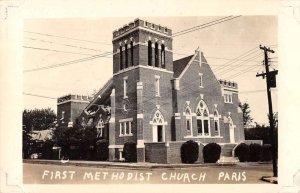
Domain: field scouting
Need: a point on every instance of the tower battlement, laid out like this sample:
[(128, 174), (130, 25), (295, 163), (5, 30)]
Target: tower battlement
[(138, 23), (73, 97), (228, 84)]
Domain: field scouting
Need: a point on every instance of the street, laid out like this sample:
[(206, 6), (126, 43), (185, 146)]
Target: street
[(35, 173)]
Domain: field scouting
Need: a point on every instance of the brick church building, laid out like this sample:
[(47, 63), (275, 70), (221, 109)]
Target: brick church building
[(156, 102)]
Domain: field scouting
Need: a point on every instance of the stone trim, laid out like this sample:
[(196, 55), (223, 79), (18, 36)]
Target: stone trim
[(125, 120), (73, 100), (140, 144), (140, 116), (142, 28), (141, 66), (115, 146), (203, 137)]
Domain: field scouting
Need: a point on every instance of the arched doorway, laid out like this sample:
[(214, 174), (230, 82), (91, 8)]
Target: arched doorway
[(158, 127), (231, 130)]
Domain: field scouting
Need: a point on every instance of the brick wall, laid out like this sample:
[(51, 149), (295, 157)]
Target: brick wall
[(212, 95), (72, 111), (131, 101), (167, 153), (156, 153), (150, 101)]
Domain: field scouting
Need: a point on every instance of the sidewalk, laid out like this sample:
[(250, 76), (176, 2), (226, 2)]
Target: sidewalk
[(145, 165)]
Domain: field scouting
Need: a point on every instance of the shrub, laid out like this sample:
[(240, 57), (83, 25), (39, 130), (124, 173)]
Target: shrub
[(189, 152), (211, 153), (254, 152), (102, 151), (242, 152), (47, 152), (266, 153), (129, 152)]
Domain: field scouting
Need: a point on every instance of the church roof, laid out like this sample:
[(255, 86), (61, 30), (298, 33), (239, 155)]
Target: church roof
[(179, 65)]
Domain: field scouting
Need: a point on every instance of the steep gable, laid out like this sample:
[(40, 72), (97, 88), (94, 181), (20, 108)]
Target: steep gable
[(180, 65)]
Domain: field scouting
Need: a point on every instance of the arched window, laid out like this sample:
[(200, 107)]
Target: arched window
[(158, 118), (202, 114), (163, 57), (100, 127), (156, 55), (126, 56), (131, 48), (188, 118), (149, 53), (121, 58), (216, 123)]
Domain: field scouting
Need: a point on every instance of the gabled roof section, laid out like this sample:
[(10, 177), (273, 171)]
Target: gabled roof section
[(179, 65), (103, 94)]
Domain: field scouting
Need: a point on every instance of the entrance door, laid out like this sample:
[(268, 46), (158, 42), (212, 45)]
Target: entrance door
[(159, 133)]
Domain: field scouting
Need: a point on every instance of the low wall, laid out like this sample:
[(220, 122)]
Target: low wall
[(248, 142), (156, 153), (169, 152)]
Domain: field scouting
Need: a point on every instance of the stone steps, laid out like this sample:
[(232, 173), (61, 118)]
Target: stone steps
[(227, 150)]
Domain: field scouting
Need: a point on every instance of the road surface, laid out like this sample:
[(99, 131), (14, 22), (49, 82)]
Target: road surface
[(60, 174)]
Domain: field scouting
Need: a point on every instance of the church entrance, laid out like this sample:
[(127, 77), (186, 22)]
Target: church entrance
[(159, 133), (231, 130), (158, 127)]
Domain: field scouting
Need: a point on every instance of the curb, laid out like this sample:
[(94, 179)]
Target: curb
[(125, 165)]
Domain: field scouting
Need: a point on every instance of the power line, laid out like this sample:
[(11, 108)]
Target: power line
[(44, 34), (245, 54), (69, 45), (69, 63), (36, 95), (200, 25), (212, 57), (52, 50), (205, 26), (224, 71)]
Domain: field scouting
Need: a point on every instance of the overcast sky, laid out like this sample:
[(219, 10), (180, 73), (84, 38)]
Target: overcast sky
[(220, 43)]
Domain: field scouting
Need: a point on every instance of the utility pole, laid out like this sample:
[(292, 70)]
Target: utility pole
[(271, 83)]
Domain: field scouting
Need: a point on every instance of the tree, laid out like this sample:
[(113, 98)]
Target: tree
[(247, 119), (77, 142), (38, 119)]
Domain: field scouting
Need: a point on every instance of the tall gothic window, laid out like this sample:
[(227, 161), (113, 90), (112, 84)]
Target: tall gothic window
[(126, 56), (131, 46), (202, 119), (188, 117), (216, 123), (121, 58), (149, 53), (163, 57), (156, 55)]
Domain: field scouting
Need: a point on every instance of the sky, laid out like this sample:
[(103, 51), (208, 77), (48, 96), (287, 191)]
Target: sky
[(57, 41)]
